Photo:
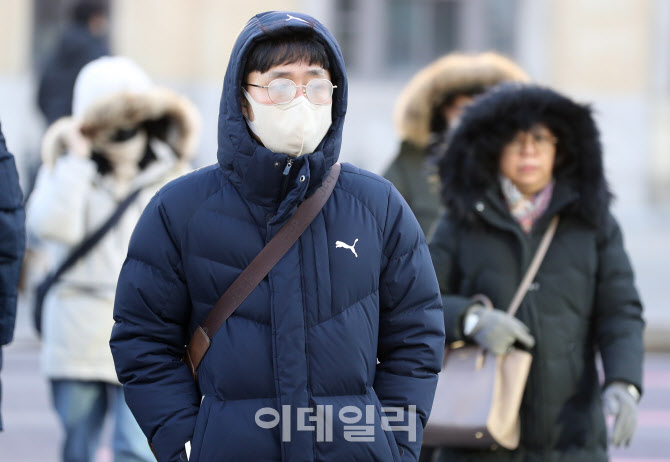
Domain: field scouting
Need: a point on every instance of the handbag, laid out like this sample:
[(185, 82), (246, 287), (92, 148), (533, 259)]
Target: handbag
[(478, 394), (253, 274), (77, 254)]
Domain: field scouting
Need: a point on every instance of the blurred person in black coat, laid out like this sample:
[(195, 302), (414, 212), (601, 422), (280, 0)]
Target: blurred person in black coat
[(83, 41), (12, 243), (521, 155)]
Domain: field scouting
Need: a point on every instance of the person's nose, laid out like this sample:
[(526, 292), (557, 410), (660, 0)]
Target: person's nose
[(301, 90), (528, 147)]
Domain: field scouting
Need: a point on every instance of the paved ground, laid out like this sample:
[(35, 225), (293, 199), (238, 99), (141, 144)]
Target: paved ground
[(32, 433)]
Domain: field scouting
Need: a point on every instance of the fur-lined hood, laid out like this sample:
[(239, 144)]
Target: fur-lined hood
[(169, 116), (452, 74), (469, 168)]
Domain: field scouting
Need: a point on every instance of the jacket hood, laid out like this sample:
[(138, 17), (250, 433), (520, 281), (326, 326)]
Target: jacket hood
[(452, 74), (470, 165), (252, 168), (106, 76), (167, 115)]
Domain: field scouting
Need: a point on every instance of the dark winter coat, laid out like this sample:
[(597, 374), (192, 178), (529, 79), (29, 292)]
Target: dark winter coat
[(311, 333), (416, 179), (12, 245), (76, 48), (12, 241), (583, 298)]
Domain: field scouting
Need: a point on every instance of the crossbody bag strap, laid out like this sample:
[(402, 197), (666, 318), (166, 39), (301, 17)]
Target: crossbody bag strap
[(534, 266), (253, 274), (89, 242)]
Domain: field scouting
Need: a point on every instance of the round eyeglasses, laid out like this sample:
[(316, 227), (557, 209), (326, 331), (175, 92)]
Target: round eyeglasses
[(539, 140), (283, 91)]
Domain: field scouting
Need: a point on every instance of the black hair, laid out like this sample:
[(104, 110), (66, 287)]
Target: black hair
[(286, 47), (438, 123), (102, 163), (156, 128), (83, 11)]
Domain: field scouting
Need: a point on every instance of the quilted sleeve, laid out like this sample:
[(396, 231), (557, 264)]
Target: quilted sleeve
[(12, 241), (411, 325), (618, 310), (56, 209), (151, 311), (443, 253)]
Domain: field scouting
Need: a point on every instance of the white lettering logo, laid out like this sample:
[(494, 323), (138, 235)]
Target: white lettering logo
[(297, 19), (358, 426), (339, 244)]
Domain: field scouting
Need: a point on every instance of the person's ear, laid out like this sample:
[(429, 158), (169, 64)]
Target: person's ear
[(246, 109), (244, 105)]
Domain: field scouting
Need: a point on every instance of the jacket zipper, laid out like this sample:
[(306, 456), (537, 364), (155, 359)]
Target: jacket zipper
[(289, 163), (304, 321), (284, 187)]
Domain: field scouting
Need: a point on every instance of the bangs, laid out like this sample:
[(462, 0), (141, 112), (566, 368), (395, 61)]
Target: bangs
[(275, 51)]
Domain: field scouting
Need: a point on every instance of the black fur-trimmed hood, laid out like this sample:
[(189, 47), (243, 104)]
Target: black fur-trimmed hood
[(470, 165)]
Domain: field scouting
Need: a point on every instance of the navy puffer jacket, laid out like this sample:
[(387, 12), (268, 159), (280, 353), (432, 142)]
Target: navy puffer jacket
[(12, 245), (12, 242), (345, 331)]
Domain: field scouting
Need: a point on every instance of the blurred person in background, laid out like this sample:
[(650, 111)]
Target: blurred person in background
[(125, 140), (426, 109), (520, 156), (348, 320), (12, 244), (84, 40)]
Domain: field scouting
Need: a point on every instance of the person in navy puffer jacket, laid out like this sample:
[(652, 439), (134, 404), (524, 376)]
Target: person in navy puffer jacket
[(347, 323)]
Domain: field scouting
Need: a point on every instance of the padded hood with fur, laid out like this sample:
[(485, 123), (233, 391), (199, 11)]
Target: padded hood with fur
[(178, 117), (452, 74), (112, 93), (470, 165)]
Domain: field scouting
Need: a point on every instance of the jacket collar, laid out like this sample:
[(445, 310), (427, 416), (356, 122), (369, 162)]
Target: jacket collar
[(268, 178)]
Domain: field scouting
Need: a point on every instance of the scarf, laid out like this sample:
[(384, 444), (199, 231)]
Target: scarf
[(525, 211)]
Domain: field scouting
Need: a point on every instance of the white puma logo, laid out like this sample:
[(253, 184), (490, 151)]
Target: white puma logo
[(339, 244), (297, 19)]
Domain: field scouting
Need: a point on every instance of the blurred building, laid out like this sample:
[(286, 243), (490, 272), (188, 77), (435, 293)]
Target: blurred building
[(614, 54)]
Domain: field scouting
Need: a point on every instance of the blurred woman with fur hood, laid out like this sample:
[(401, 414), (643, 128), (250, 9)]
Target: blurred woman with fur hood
[(126, 137), (429, 105), (520, 156)]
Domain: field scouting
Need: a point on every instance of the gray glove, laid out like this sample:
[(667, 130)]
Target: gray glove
[(495, 330), (621, 401)]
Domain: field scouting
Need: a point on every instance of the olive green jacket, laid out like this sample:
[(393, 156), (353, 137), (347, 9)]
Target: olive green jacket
[(418, 183)]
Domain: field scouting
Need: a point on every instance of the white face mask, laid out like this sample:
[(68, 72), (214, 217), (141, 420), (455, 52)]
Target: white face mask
[(295, 128)]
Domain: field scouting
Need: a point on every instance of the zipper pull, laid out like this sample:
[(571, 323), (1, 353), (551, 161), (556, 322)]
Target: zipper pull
[(288, 166)]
